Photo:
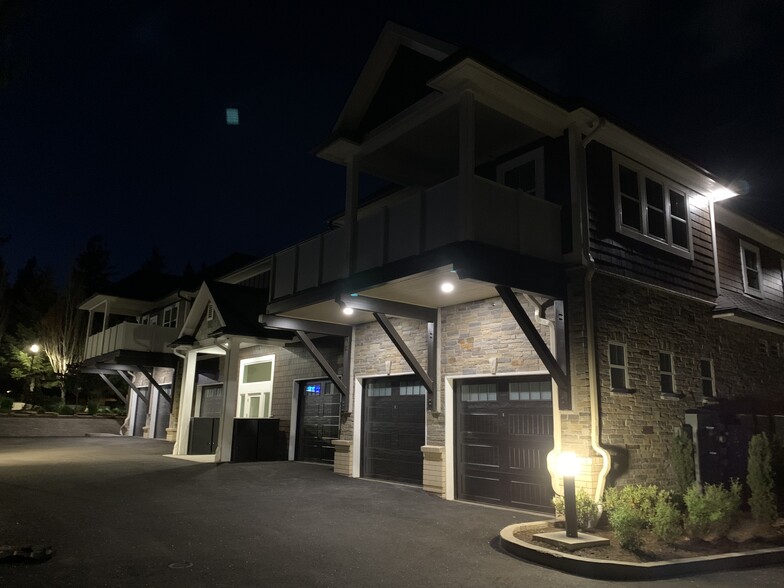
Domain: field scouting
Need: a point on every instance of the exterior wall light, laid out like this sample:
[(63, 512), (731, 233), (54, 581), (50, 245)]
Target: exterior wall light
[(568, 466), (447, 287)]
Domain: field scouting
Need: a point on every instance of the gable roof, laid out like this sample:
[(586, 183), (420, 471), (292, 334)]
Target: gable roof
[(419, 49), (237, 308)]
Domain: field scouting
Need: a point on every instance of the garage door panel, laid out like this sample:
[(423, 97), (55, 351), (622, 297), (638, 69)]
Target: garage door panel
[(393, 426), (485, 489), (503, 438), (481, 422), (319, 421), (481, 455)]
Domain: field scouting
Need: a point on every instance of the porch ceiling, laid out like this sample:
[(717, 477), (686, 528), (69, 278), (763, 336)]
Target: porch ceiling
[(423, 289), (428, 153)]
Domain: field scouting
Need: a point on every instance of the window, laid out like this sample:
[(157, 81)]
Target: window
[(666, 372), (153, 319), (170, 315), (618, 371), (479, 392), (752, 270), (255, 388), (379, 389), (525, 172), (651, 208), (531, 391), (706, 378)]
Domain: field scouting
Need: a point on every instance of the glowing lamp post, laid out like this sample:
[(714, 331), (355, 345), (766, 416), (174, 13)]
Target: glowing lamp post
[(568, 466)]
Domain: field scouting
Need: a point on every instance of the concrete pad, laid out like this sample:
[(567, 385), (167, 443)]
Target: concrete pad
[(559, 539)]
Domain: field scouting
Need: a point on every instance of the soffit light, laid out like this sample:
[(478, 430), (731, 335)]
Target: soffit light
[(722, 193), (347, 310), (447, 287)]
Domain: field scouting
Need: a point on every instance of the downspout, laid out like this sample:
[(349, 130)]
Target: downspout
[(588, 262)]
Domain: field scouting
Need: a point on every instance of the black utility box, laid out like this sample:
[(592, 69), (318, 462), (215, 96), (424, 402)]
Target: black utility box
[(255, 440)]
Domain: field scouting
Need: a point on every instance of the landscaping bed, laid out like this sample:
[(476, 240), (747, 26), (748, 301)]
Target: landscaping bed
[(746, 535)]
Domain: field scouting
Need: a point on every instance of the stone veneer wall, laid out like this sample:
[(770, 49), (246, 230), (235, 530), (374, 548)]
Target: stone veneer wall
[(649, 320), (471, 334), (373, 349)]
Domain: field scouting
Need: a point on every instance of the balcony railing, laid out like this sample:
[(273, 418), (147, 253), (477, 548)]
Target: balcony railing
[(130, 337), (412, 222)]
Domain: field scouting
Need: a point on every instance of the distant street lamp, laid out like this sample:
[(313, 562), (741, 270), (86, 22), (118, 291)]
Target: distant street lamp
[(568, 466), (34, 349)]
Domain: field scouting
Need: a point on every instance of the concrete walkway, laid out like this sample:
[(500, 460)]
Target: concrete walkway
[(118, 514)]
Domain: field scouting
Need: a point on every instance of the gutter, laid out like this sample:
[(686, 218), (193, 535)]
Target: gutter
[(578, 145)]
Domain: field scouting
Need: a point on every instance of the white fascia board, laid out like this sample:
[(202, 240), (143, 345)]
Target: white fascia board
[(762, 325), (118, 305), (504, 95), (257, 267), (381, 57), (192, 321), (634, 148), (748, 228)]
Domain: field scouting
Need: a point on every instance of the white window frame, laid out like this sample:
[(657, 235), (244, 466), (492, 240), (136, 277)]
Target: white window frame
[(703, 379), (670, 374), (744, 245), (262, 389), (537, 156), (170, 315), (153, 319), (624, 367), (668, 185)]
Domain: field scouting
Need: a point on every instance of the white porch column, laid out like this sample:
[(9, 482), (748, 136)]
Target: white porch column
[(467, 164), (186, 404), (226, 433), (352, 196)]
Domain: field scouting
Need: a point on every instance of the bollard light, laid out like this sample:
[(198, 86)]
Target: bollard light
[(568, 466)]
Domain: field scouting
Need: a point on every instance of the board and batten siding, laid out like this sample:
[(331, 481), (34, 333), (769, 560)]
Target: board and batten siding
[(630, 258)]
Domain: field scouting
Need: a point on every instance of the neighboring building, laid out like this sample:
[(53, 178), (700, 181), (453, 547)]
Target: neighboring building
[(250, 393), (131, 324), (536, 279)]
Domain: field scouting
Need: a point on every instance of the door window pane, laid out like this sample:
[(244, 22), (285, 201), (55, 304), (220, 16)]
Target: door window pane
[(255, 404)]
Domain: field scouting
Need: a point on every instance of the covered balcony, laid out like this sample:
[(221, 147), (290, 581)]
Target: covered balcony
[(129, 337)]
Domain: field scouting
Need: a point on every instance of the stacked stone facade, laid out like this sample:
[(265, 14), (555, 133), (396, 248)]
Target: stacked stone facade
[(641, 423)]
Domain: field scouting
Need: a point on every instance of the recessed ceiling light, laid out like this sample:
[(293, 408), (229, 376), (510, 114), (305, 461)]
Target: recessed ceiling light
[(347, 310), (447, 287)]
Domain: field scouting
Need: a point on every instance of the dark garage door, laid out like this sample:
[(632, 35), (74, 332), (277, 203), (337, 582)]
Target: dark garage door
[(504, 432), (393, 424), (320, 405)]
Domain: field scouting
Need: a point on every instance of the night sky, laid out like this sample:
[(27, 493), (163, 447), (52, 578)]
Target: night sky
[(113, 119)]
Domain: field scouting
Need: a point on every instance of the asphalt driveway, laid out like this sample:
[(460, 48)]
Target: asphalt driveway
[(119, 514)]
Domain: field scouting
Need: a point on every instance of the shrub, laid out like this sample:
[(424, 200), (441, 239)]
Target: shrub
[(638, 497), (760, 480), (92, 407), (711, 510), (587, 509), (682, 460), (667, 522), (629, 511), (65, 409), (6, 403)]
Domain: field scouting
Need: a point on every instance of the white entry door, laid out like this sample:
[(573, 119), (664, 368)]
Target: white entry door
[(255, 388)]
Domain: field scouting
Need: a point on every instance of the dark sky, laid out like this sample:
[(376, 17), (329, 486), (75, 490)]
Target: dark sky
[(113, 120)]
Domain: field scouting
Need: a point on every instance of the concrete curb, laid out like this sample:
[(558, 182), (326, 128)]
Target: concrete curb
[(600, 569)]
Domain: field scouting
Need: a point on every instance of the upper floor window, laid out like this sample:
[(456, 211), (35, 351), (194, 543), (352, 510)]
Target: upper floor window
[(752, 270), (707, 381), (525, 172), (651, 208), (170, 315), (618, 369), (666, 372)]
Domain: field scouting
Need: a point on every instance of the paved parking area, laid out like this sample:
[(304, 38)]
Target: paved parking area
[(119, 514)]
